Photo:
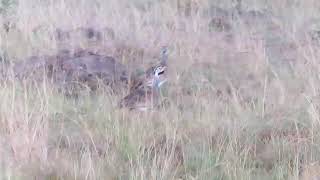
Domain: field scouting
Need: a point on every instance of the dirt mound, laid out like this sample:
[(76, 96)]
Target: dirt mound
[(70, 71)]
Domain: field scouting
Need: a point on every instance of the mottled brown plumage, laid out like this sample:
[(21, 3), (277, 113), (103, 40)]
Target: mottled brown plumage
[(139, 81), (145, 96)]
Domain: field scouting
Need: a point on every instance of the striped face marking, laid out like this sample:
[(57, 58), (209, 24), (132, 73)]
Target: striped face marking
[(157, 82), (159, 71)]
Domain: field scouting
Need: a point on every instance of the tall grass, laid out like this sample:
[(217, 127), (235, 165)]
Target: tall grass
[(242, 104)]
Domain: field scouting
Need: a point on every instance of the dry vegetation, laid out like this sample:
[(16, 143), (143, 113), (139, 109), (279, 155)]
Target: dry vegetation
[(242, 97)]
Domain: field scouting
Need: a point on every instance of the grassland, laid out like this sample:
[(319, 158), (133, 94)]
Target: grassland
[(243, 92)]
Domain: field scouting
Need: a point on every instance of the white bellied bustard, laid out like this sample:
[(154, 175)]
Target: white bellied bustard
[(138, 81), (145, 96)]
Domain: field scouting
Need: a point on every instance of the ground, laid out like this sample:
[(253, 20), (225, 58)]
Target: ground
[(241, 102)]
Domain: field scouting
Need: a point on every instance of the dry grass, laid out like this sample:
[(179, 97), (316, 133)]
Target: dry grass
[(243, 104)]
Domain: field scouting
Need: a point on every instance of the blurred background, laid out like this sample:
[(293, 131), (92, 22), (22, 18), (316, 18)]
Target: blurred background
[(242, 93)]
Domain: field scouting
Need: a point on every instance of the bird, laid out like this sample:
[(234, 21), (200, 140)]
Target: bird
[(138, 81), (145, 96), (163, 60)]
